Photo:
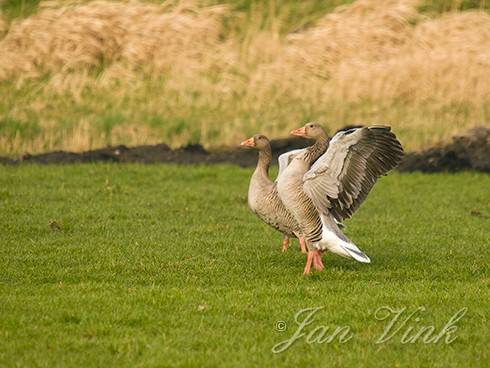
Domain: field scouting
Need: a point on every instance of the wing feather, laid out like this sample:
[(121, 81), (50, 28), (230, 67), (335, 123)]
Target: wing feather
[(343, 176), (285, 159)]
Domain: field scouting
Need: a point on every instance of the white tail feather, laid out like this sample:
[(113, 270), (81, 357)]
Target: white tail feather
[(355, 252), (332, 242)]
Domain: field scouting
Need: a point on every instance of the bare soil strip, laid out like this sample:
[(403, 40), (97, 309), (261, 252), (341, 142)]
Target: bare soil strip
[(470, 151)]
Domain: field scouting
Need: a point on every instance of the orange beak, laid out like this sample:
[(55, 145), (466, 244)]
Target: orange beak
[(248, 143), (300, 132)]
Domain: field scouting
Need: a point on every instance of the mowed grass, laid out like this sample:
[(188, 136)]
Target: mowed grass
[(129, 265)]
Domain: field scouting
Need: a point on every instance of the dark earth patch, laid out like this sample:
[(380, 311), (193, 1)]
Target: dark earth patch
[(470, 151)]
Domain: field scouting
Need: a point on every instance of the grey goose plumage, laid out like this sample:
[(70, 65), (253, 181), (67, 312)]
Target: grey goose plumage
[(263, 198), (340, 180), (330, 179)]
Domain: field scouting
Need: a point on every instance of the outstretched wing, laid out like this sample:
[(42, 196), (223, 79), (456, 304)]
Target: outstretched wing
[(340, 180), (286, 158)]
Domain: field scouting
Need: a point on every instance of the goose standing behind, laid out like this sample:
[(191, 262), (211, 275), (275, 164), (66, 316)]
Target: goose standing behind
[(330, 179), (263, 199)]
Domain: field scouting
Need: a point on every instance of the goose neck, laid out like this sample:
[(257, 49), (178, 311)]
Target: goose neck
[(264, 162), (318, 148)]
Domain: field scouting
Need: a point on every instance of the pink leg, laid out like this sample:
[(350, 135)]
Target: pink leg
[(309, 260), (285, 243), (302, 244), (317, 261)]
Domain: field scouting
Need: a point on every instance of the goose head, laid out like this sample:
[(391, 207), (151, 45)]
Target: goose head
[(309, 130), (258, 141)]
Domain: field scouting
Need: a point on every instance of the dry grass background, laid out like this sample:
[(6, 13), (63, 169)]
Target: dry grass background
[(78, 75)]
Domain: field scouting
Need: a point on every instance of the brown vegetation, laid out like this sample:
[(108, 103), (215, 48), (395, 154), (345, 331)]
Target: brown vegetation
[(118, 36), (372, 60)]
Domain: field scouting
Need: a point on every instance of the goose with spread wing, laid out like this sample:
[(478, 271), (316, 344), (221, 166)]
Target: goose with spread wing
[(263, 199), (325, 184)]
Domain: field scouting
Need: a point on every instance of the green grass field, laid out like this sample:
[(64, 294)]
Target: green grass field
[(129, 265)]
